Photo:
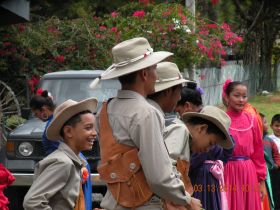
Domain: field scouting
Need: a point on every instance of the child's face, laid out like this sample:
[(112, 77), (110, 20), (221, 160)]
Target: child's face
[(276, 128), (201, 140), (265, 125), (237, 98), (84, 133)]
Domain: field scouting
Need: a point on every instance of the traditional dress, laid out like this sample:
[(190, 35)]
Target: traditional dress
[(206, 185), (247, 167)]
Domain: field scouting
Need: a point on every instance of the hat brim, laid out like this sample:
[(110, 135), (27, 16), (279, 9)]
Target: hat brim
[(227, 143), (148, 61), (165, 85), (53, 131)]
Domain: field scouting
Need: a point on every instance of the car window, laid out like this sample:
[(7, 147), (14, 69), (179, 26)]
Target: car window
[(78, 89)]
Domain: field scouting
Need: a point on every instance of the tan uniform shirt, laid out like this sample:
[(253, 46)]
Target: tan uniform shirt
[(56, 182), (137, 123)]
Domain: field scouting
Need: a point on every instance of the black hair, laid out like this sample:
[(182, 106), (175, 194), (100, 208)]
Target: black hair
[(189, 93), (128, 79), (275, 118), (38, 101), (154, 96), (73, 120), (232, 85), (262, 115), (212, 128)]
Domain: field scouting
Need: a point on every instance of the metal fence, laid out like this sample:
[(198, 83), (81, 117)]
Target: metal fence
[(212, 79)]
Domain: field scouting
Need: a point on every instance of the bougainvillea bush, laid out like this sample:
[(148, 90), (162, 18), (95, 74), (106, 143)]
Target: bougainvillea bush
[(36, 48)]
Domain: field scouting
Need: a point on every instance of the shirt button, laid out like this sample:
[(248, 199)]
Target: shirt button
[(113, 175), (132, 166)]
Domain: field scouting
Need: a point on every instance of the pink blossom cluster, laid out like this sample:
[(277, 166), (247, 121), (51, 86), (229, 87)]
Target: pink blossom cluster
[(139, 13)]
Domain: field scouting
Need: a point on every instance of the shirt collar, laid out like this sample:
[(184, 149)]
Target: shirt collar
[(129, 94), (156, 105), (69, 152)]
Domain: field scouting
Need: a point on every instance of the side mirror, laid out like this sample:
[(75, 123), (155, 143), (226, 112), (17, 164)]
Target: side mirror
[(25, 112)]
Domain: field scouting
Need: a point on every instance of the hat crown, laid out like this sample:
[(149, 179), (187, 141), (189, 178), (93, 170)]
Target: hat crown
[(167, 71), (130, 49), (63, 106), (218, 114)]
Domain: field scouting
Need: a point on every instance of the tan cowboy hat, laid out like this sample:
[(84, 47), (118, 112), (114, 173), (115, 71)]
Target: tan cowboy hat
[(130, 56), (216, 116), (168, 76), (64, 112)]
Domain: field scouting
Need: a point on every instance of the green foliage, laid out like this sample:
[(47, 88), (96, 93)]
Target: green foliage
[(86, 43), (13, 121)]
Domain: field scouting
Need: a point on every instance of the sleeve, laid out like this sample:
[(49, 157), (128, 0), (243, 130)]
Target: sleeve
[(258, 155), (177, 141), (275, 154), (51, 180), (155, 161)]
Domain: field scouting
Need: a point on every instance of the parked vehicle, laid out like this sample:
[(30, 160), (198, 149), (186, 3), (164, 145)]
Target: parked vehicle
[(24, 144)]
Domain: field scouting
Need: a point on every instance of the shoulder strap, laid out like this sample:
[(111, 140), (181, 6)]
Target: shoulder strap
[(107, 142)]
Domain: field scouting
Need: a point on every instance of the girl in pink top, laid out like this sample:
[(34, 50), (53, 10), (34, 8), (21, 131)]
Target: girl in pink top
[(245, 171)]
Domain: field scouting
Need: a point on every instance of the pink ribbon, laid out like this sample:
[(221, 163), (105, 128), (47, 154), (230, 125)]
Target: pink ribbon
[(217, 170)]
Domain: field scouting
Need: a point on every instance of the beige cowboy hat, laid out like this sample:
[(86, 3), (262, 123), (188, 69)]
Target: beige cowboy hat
[(130, 56), (64, 112), (168, 75), (216, 116)]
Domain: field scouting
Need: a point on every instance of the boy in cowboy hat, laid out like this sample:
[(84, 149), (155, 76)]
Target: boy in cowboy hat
[(58, 177), (130, 127)]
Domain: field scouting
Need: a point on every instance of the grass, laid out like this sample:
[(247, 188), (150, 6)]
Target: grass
[(269, 105)]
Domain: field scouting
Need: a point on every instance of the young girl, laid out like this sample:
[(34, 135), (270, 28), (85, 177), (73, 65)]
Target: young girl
[(58, 178), (206, 185), (246, 170)]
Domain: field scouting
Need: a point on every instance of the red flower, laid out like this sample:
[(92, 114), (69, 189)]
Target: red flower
[(59, 58), (114, 14), (214, 2), (52, 30), (21, 27), (212, 25), (114, 29), (39, 91), (98, 36), (84, 174), (7, 44), (146, 2), (33, 82), (102, 28), (139, 13)]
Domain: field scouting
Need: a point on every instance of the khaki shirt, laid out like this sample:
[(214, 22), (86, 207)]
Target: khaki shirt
[(56, 182), (137, 123)]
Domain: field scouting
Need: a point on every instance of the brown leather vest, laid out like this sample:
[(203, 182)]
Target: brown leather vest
[(183, 167), (121, 168)]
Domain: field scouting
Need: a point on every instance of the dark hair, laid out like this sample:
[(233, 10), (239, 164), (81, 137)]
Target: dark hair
[(212, 128), (275, 118), (189, 93), (154, 96), (128, 79), (73, 121), (38, 101), (262, 115), (232, 85)]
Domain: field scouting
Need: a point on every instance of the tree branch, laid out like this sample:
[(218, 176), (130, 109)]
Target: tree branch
[(255, 19), (242, 13)]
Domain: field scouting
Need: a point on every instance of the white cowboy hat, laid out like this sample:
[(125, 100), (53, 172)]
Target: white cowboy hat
[(64, 112), (130, 56), (168, 75), (217, 117)]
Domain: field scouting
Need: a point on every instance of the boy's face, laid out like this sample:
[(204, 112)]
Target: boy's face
[(84, 133), (276, 128), (201, 140), (265, 125)]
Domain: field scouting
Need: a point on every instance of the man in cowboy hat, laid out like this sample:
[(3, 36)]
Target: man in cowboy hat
[(136, 124)]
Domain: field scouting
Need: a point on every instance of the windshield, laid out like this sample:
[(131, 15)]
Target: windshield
[(78, 89)]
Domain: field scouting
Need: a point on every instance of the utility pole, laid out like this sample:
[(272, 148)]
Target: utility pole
[(190, 5)]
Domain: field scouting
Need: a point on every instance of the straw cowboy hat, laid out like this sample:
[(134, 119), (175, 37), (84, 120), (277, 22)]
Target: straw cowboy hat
[(65, 111), (216, 116), (168, 76), (130, 56)]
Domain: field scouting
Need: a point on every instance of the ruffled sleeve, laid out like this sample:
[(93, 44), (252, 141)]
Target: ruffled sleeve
[(258, 155)]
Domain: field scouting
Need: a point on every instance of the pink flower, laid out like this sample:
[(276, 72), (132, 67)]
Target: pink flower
[(98, 36), (59, 58), (204, 32), (102, 28), (139, 13), (238, 39), (114, 14), (171, 27), (7, 44), (225, 26), (223, 62), (52, 30), (183, 19), (114, 29), (202, 47)]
